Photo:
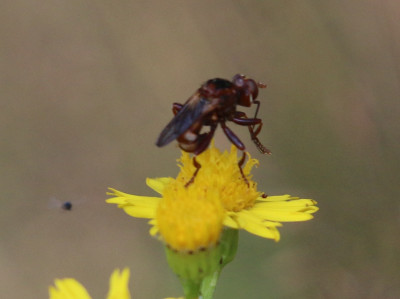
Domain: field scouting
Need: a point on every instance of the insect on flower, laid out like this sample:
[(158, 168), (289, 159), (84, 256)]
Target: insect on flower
[(214, 103)]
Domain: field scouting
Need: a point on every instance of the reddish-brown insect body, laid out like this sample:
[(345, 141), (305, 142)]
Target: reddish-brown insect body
[(214, 103)]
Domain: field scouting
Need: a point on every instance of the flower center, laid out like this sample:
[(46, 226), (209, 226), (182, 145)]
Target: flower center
[(189, 219), (220, 174)]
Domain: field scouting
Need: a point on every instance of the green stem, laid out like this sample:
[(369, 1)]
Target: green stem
[(191, 288), (229, 244), (209, 284)]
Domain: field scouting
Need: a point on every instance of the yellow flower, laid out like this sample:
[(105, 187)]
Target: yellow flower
[(69, 288), (219, 187)]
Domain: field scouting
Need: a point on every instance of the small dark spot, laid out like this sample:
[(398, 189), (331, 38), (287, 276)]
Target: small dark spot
[(264, 195), (201, 270), (190, 252), (67, 206), (220, 261), (203, 249)]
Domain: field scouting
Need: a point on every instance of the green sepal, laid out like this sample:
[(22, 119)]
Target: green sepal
[(193, 267), (229, 244)]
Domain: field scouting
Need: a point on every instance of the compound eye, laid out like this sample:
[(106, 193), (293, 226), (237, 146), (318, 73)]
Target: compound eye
[(239, 80)]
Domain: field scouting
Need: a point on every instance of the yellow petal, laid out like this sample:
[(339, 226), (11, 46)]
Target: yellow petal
[(282, 216), (276, 198), (158, 184), (290, 210), (119, 288), (140, 212), (68, 288), (257, 225), (136, 206), (292, 203), (230, 221), (117, 200), (117, 193), (154, 228)]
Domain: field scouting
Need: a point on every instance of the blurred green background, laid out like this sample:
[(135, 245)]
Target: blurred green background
[(87, 86)]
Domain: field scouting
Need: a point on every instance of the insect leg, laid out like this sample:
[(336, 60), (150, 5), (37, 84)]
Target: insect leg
[(232, 136), (256, 141), (240, 164), (239, 114), (244, 121), (198, 166), (258, 130), (205, 139), (255, 116), (241, 118)]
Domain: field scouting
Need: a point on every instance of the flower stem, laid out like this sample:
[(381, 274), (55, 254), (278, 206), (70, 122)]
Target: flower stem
[(229, 244), (191, 288), (209, 284)]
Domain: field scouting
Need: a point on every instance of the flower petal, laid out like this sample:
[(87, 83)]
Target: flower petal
[(276, 198), (136, 206), (68, 288), (286, 210), (256, 225), (282, 216), (154, 229), (119, 285), (140, 212), (230, 220), (158, 184)]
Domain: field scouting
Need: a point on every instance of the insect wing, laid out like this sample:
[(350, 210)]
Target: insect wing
[(183, 120)]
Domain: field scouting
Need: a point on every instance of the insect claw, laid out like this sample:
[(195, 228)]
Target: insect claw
[(261, 148)]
